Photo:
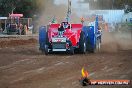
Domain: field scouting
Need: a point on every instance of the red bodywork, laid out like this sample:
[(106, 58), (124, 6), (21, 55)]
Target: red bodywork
[(72, 34)]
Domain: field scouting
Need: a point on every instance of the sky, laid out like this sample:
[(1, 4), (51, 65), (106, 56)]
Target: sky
[(75, 3), (79, 8)]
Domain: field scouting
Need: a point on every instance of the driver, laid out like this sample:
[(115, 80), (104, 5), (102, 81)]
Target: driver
[(65, 25), (61, 28)]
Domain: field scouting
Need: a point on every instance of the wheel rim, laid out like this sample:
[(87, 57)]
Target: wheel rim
[(84, 45), (46, 48)]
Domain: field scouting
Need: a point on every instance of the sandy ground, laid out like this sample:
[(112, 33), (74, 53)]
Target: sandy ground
[(22, 65)]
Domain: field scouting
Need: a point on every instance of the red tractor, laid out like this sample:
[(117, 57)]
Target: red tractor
[(68, 37), (16, 24), (65, 37)]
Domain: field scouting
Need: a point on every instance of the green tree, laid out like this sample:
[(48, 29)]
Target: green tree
[(26, 7)]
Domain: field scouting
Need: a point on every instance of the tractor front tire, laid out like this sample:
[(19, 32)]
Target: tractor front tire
[(71, 50)]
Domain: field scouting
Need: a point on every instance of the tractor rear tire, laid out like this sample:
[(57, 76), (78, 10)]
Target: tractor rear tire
[(82, 43), (46, 44), (46, 50)]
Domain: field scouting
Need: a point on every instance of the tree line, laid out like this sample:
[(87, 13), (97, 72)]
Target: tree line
[(26, 7), (30, 7)]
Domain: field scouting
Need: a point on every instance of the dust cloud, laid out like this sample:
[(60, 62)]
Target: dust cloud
[(116, 41), (50, 10)]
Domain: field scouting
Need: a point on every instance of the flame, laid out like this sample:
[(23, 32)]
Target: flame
[(84, 73)]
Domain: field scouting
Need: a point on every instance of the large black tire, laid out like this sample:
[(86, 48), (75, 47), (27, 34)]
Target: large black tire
[(46, 50), (82, 43), (71, 50), (46, 44)]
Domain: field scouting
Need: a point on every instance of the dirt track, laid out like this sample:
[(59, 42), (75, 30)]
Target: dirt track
[(22, 65)]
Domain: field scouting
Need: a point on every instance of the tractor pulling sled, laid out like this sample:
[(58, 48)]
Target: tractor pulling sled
[(70, 37)]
